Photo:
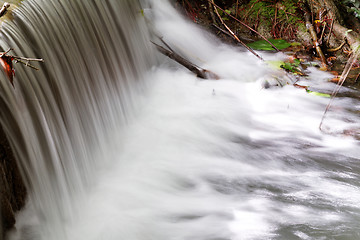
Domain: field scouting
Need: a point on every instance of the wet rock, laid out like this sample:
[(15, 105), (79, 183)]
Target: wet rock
[(12, 189)]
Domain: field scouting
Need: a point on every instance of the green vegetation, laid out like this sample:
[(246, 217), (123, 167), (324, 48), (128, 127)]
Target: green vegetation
[(292, 66), (263, 45), (280, 16), (284, 10)]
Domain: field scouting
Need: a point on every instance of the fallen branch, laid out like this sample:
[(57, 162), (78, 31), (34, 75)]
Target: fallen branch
[(200, 72), (212, 2)]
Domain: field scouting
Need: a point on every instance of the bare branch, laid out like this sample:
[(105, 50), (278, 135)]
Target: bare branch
[(28, 59), (6, 52), (26, 64), (343, 77)]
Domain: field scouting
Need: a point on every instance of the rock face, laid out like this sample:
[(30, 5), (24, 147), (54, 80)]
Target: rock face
[(12, 189)]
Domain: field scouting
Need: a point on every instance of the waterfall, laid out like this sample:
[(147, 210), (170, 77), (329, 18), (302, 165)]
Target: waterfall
[(59, 118), (116, 142)]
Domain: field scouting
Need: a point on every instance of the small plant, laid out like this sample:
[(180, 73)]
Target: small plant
[(292, 66)]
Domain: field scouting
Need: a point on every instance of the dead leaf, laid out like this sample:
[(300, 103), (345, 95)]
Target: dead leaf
[(7, 65), (335, 79)]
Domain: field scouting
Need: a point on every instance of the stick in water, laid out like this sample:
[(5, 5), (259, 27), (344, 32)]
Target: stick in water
[(343, 77)]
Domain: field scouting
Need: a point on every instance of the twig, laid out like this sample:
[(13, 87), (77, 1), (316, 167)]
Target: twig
[(343, 77), (311, 10), (232, 33), (274, 25), (167, 45), (257, 20), (236, 15), (322, 32), (28, 59), (331, 28), (4, 9), (6, 52), (337, 48), (357, 77), (223, 31), (26, 64), (212, 14), (248, 12), (212, 2), (22, 60), (7, 64)]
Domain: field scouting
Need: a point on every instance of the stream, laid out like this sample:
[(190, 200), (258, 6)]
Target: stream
[(116, 141)]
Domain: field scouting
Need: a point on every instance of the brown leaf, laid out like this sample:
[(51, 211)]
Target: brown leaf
[(7, 65), (335, 79)]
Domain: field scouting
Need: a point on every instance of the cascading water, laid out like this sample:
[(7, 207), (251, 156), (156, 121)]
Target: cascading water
[(189, 159), (59, 119)]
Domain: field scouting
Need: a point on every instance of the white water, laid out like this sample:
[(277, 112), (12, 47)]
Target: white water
[(221, 159)]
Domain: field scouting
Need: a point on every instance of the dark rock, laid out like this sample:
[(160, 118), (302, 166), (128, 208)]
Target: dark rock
[(12, 189)]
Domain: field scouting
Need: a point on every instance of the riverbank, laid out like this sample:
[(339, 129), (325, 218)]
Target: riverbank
[(282, 20)]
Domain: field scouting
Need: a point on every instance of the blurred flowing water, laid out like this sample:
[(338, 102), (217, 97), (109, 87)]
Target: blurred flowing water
[(117, 142)]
